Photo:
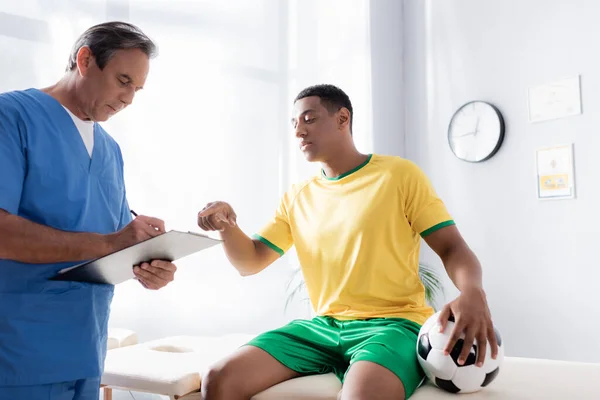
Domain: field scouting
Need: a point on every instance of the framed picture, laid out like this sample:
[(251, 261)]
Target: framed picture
[(555, 172), (558, 99)]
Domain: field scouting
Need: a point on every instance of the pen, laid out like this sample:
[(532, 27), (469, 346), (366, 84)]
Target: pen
[(133, 213)]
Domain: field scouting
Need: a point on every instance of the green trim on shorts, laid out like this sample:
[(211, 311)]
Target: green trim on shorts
[(325, 344)]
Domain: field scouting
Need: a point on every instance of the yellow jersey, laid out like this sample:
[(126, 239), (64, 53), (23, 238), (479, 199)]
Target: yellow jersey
[(358, 238)]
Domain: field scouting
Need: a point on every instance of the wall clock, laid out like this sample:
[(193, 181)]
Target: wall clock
[(476, 131)]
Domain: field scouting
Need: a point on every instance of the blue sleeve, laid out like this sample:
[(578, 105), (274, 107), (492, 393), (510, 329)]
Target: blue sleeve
[(126, 216), (12, 160)]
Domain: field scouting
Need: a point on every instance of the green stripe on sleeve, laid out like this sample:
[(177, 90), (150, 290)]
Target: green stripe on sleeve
[(437, 227), (268, 243)]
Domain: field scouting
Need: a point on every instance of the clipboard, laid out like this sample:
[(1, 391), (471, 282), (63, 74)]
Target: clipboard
[(117, 267)]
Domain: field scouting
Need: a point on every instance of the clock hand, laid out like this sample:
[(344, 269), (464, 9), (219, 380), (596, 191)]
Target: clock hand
[(466, 134)]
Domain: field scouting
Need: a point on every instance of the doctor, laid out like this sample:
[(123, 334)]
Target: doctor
[(63, 201)]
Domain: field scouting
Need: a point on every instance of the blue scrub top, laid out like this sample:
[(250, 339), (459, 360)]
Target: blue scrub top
[(52, 331)]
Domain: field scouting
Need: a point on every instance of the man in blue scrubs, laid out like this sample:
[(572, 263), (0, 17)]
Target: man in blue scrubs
[(63, 201)]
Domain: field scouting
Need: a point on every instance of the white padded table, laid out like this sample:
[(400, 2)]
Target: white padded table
[(174, 367), (118, 337), (171, 366)]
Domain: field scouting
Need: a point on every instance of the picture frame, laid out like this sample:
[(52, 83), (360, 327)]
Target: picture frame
[(554, 100), (555, 172)]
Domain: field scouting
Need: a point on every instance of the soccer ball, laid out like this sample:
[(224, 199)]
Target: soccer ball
[(444, 371)]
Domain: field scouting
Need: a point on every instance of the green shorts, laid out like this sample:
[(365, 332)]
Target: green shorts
[(324, 344)]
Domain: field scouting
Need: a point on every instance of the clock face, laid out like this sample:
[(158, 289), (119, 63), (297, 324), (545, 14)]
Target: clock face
[(476, 131)]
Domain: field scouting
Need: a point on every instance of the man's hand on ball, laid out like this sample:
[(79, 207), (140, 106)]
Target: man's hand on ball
[(473, 318)]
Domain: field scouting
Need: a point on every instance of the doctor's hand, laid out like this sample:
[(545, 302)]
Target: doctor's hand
[(140, 229), (156, 274), (472, 318), (216, 216)]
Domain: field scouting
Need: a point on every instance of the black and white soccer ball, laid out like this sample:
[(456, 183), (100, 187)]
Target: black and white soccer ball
[(444, 371)]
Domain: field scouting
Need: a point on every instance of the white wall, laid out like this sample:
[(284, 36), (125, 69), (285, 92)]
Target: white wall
[(540, 258), (387, 87)]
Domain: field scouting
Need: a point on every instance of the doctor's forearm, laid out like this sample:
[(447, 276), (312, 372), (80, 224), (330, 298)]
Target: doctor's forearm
[(28, 242)]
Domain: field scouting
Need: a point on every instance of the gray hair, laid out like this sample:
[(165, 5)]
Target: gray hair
[(106, 38)]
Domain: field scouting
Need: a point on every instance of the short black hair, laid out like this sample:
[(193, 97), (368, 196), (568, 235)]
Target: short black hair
[(106, 38), (332, 97)]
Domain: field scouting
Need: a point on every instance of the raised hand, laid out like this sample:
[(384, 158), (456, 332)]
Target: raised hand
[(216, 216)]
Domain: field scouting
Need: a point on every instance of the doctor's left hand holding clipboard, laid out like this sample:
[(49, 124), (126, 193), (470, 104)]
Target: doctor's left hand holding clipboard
[(157, 273)]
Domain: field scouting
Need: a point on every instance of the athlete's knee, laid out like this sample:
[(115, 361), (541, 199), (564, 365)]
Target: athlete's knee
[(221, 383)]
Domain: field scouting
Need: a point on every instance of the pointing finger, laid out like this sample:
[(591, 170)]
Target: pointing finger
[(211, 209)]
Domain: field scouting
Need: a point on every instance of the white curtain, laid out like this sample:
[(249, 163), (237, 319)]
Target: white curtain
[(329, 42), (211, 124)]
